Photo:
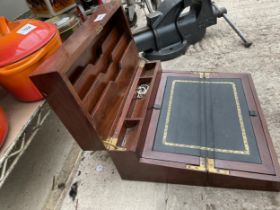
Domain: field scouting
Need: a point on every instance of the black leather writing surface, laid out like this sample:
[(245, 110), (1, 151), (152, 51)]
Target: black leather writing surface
[(206, 118)]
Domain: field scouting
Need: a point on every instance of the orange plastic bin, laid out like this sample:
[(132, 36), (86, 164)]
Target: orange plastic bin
[(24, 44)]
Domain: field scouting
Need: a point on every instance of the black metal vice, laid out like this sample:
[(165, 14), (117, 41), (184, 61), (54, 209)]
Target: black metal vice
[(176, 25)]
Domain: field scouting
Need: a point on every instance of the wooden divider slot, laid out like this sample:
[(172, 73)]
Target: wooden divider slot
[(130, 57), (102, 63), (98, 86), (132, 126), (113, 42), (128, 65), (103, 85), (148, 70), (96, 53), (101, 56), (88, 75), (112, 72), (132, 105), (94, 92), (96, 49), (110, 41), (129, 131), (107, 109), (83, 83), (119, 48), (90, 56)]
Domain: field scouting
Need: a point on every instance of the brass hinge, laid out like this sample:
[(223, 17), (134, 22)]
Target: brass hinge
[(209, 166), (200, 167), (203, 75), (111, 145), (212, 169)]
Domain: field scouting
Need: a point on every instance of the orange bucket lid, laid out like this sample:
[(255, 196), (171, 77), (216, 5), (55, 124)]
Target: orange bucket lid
[(22, 38)]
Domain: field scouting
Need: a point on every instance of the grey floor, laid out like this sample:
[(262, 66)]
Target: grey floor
[(99, 184), (30, 183)]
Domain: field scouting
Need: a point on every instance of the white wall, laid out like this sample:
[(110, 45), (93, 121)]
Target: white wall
[(12, 8)]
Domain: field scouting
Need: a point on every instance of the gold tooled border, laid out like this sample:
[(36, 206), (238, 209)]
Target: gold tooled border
[(246, 150)]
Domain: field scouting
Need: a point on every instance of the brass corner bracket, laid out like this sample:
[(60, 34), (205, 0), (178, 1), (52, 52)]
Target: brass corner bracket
[(111, 145), (212, 169), (209, 166), (200, 167)]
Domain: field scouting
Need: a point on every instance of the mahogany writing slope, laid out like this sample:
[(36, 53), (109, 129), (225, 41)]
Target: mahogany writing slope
[(193, 128)]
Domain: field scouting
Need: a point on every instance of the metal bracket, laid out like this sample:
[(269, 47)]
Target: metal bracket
[(111, 145), (208, 167), (211, 168), (200, 167)]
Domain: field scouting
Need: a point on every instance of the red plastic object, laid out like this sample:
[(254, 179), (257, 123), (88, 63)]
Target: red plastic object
[(24, 45), (3, 127), (22, 38)]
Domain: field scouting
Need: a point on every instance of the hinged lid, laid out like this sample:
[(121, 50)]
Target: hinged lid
[(91, 75), (21, 38)]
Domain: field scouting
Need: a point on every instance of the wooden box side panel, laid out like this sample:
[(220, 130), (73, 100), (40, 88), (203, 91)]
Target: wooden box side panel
[(132, 168), (265, 127), (68, 108)]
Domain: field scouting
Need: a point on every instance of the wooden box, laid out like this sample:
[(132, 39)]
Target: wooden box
[(192, 128)]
